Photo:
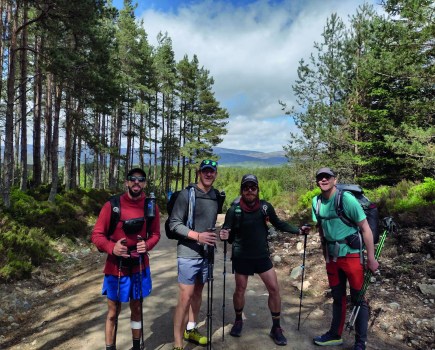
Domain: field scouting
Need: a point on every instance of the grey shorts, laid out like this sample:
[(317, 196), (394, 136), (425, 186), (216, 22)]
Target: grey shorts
[(191, 271)]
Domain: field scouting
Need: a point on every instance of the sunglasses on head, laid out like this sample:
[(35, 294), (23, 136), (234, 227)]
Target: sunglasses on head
[(323, 176), (210, 162), (138, 178), (250, 188)]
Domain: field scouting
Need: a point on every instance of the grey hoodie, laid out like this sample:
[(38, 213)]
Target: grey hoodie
[(205, 214)]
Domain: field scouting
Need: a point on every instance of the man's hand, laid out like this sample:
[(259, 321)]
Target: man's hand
[(372, 264), (207, 237), (120, 248), (224, 233), (305, 229), (141, 245)]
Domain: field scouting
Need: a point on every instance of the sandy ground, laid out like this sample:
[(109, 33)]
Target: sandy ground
[(73, 317)]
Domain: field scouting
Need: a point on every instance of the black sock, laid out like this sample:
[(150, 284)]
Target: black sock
[(136, 344), (111, 347), (276, 319), (239, 314)]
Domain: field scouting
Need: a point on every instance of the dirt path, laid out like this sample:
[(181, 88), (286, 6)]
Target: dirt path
[(74, 314)]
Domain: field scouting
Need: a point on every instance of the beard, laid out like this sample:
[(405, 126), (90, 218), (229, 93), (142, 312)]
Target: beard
[(134, 194), (250, 199)]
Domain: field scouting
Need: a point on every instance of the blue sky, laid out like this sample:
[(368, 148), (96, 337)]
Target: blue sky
[(252, 49)]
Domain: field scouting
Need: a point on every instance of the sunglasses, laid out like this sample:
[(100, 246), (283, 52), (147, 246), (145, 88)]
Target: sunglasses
[(210, 162), (252, 188), (323, 176), (138, 178)]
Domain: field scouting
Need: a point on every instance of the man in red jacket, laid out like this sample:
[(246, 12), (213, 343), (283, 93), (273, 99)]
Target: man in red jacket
[(127, 253)]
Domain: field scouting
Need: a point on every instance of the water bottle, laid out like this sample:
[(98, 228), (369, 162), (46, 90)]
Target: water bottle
[(151, 205), (238, 216)]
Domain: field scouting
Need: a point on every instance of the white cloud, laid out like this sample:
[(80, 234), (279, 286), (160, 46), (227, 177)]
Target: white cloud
[(252, 52)]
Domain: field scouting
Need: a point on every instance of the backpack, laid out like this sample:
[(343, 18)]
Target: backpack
[(238, 213), (370, 208), (115, 215), (189, 215)]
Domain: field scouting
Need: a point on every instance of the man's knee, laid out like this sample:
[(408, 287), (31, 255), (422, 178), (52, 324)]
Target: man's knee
[(337, 292)]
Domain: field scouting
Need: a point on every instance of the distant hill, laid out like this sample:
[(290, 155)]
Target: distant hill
[(228, 157), (246, 158)]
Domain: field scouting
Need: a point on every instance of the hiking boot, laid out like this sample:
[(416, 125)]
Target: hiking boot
[(236, 330), (277, 336), (195, 337), (359, 345), (328, 339)]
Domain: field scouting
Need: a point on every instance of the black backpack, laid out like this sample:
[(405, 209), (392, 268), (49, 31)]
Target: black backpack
[(115, 215), (370, 208), (238, 212), (220, 196)]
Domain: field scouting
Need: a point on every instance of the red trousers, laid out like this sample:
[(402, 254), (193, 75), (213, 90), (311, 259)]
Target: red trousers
[(345, 269)]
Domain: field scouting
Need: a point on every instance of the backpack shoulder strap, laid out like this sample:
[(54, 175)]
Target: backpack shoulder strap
[(264, 209), (148, 220), (317, 212), (115, 213), (338, 203), (191, 207), (220, 196)]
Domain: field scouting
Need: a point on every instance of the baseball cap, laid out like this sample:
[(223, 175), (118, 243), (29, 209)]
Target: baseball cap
[(136, 171), (249, 178), (325, 171), (208, 163)]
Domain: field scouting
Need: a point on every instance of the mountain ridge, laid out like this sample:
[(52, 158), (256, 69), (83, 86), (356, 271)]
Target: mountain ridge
[(248, 158)]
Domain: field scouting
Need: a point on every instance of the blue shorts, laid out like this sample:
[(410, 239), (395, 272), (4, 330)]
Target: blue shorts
[(191, 271), (129, 286)]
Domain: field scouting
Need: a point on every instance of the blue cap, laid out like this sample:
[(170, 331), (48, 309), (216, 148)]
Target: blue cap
[(208, 163)]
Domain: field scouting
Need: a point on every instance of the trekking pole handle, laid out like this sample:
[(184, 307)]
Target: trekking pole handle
[(304, 225), (226, 229)]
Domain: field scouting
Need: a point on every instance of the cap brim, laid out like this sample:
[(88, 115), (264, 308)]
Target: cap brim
[(208, 167)]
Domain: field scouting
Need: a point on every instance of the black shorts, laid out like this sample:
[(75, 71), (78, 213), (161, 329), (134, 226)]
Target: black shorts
[(251, 266)]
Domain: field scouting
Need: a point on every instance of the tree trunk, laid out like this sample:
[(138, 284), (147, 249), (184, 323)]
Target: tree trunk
[(48, 129), (68, 141), (55, 145), (8, 165), (37, 113), (23, 99)]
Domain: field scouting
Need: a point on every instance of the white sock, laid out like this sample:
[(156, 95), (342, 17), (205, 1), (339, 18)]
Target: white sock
[(190, 325)]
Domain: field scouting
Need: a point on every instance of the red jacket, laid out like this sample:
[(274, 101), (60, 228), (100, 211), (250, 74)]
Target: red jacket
[(130, 209)]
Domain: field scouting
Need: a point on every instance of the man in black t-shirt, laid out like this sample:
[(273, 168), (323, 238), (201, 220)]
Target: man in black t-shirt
[(246, 229)]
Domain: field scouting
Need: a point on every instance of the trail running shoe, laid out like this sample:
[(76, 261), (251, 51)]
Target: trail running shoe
[(359, 345), (195, 337), (236, 330), (277, 336), (328, 339)]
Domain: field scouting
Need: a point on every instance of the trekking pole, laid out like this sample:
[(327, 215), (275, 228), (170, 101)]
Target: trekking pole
[(303, 273), (223, 298), (389, 227), (118, 302), (210, 258), (142, 345)]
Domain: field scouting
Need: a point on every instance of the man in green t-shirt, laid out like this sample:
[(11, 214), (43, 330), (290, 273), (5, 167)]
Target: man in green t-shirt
[(343, 263), (246, 229)]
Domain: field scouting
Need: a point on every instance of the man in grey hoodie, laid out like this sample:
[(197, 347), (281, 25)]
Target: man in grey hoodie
[(192, 261)]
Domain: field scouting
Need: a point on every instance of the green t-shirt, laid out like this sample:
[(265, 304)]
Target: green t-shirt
[(334, 229)]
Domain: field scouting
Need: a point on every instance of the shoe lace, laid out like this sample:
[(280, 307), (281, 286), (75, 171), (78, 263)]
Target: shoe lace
[(195, 333), (278, 332)]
